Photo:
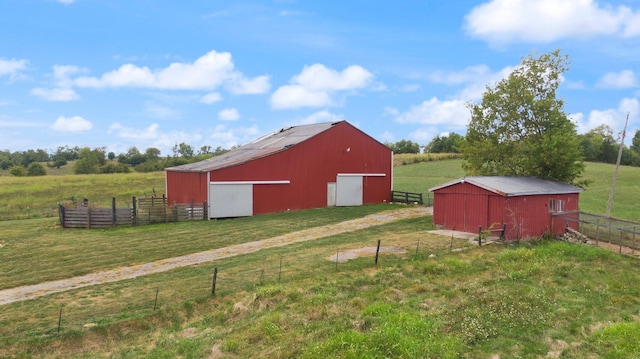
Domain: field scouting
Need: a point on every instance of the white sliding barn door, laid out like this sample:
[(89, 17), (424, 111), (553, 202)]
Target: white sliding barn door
[(230, 200), (349, 190)]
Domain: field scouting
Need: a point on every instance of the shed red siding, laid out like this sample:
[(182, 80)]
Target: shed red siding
[(308, 165), (465, 207)]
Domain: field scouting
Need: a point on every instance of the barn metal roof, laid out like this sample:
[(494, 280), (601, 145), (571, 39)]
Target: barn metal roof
[(271, 143), (515, 186)]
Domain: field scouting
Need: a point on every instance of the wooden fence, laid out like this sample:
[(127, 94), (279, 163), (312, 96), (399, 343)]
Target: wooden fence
[(409, 197), (140, 212)]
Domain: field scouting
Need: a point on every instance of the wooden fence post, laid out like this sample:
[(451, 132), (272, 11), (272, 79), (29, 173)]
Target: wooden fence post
[(504, 229), (479, 235), (59, 319), (175, 211), (134, 213), (88, 214), (377, 251), (113, 211), (213, 284), (61, 215), (205, 211)]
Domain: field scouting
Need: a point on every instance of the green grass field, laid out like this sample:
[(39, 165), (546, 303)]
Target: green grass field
[(547, 299)]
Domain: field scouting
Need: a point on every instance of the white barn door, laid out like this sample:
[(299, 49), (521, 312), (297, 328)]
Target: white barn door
[(349, 190), (230, 200)]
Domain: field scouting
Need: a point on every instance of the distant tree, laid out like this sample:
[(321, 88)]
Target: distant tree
[(520, 127), (18, 171), (36, 169), (111, 167), (152, 154), (204, 150), (635, 142), (183, 150), (404, 146), (445, 144), (111, 156), (133, 157), (5, 159), (89, 161), (599, 145)]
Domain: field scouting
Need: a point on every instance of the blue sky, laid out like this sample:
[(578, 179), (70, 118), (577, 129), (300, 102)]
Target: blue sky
[(151, 73)]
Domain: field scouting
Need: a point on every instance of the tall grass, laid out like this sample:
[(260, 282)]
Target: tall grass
[(32, 197)]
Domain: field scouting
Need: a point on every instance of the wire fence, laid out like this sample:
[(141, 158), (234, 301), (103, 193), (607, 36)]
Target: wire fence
[(100, 305), (624, 234)]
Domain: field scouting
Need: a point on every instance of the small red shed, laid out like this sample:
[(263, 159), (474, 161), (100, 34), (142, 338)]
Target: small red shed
[(309, 166), (525, 204)]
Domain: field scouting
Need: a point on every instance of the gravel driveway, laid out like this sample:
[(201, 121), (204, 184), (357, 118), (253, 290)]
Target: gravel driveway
[(113, 275)]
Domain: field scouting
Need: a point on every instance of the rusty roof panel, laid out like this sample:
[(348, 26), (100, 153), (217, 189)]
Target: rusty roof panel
[(266, 145), (515, 186)]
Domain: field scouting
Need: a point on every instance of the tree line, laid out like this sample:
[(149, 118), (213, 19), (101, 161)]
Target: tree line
[(97, 160)]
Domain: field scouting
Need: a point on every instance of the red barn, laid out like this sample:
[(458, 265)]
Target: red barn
[(524, 204), (310, 166)]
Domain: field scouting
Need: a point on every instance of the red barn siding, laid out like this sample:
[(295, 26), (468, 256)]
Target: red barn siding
[(309, 165), (464, 207), (182, 187)]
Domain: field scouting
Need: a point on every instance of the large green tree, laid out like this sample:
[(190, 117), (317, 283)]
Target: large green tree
[(520, 128)]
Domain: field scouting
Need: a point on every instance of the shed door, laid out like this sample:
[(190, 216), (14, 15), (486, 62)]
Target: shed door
[(349, 191), (230, 200)]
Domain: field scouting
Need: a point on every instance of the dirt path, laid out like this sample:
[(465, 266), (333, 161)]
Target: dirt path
[(38, 290)]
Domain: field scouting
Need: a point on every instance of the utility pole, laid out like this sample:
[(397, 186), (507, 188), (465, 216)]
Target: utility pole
[(615, 173)]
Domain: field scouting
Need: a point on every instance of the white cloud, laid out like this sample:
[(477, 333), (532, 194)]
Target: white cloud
[(256, 86), (320, 116), (211, 98), (453, 113), (316, 84), (163, 112), (612, 117), (474, 79), (227, 138), (619, 80), (149, 133), (292, 96), (56, 94), (205, 73), (229, 114), (66, 2), (72, 124), (12, 68), (544, 21)]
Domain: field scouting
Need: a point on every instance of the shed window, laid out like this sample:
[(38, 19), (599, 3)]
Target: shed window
[(556, 205)]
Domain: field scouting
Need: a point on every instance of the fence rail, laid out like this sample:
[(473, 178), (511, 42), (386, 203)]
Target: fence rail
[(408, 197), (605, 229), (142, 211)]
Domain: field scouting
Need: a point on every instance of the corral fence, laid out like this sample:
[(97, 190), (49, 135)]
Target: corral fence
[(411, 197), (601, 228), (139, 211)]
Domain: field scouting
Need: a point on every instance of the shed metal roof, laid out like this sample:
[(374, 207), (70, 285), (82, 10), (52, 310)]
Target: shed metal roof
[(266, 145), (515, 186)]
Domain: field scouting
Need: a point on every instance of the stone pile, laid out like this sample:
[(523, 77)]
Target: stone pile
[(573, 236)]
